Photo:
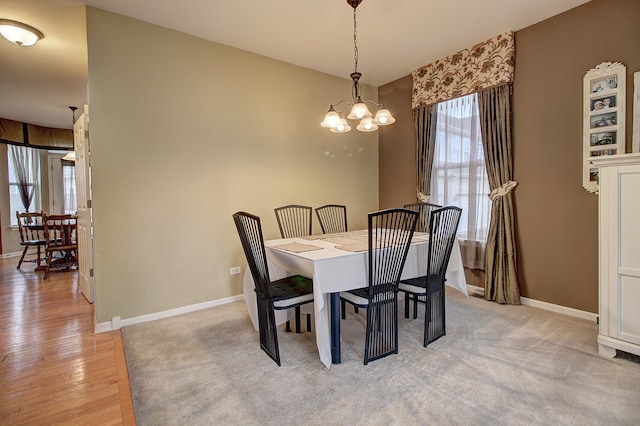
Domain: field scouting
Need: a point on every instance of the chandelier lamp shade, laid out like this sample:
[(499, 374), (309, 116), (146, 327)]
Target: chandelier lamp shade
[(19, 33), (335, 120)]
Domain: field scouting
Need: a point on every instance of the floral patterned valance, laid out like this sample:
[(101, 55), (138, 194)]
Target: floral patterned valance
[(480, 67)]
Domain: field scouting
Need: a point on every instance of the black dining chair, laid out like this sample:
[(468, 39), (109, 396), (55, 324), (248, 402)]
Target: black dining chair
[(424, 210), (294, 220), (430, 288), (390, 233), (332, 218), (285, 293)]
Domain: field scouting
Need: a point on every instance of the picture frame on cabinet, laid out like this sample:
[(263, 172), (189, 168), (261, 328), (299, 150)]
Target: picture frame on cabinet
[(603, 117)]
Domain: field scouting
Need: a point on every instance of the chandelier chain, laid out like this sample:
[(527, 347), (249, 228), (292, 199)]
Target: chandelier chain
[(355, 42), (334, 120)]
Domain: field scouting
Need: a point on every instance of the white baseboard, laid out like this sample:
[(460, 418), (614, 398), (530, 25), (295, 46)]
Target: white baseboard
[(479, 292), (16, 254), (116, 322), (559, 309)]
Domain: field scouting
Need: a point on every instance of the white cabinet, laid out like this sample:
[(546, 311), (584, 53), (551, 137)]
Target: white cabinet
[(619, 253)]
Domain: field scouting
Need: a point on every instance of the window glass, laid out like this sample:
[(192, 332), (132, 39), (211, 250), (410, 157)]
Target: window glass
[(459, 176), (15, 201), (69, 180)]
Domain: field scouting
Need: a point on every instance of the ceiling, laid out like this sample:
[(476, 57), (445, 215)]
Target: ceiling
[(38, 83)]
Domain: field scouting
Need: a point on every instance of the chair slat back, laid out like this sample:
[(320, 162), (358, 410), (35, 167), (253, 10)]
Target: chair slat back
[(250, 233), (332, 218), (390, 233), (60, 231), (30, 226), (442, 234), (424, 210), (294, 220)]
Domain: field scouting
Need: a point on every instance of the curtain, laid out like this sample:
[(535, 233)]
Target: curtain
[(425, 124), (459, 175), (26, 169), (501, 279)]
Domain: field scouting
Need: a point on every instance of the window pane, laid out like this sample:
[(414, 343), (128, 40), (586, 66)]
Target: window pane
[(69, 180), (32, 159), (459, 176)]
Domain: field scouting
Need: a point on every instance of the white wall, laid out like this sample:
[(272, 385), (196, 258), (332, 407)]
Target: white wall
[(185, 132)]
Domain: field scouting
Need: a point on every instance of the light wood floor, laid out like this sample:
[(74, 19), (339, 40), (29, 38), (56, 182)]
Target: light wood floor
[(53, 368)]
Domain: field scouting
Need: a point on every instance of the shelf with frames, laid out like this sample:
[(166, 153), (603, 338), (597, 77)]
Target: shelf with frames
[(603, 116)]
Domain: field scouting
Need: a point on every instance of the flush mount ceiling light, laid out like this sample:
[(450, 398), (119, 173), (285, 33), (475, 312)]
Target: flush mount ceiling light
[(335, 121), (19, 33)]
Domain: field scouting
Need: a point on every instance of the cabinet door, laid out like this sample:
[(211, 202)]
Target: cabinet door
[(628, 271)]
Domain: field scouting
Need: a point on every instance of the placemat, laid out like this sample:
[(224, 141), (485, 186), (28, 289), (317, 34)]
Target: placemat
[(297, 247), (362, 246), (343, 240)]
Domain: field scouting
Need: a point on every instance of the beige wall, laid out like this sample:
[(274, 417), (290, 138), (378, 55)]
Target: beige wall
[(184, 133), (556, 218)]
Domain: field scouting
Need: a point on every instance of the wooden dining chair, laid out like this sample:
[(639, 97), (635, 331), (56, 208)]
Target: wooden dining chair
[(424, 210), (430, 288), (285, 293), (61, 242), (390, 233), (294, 220), (31, 229), (332, 218)]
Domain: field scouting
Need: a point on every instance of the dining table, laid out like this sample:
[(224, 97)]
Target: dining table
[(337, 262)]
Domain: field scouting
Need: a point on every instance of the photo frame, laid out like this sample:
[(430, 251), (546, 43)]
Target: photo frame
[(603, 103), (603, 116)]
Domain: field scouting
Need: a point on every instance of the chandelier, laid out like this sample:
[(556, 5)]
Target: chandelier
[(335, 121)]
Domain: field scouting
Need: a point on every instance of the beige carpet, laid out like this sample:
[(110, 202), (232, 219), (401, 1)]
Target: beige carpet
[(497, 365)]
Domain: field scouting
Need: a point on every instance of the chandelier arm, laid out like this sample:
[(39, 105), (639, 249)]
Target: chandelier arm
[(340, 102), (335, 105), (371, 101)]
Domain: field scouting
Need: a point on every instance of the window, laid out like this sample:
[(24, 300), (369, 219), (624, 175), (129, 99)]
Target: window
[(29, 158), (459, 176), (69, 190)]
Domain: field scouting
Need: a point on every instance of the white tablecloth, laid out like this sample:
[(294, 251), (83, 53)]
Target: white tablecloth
[(335, 270)]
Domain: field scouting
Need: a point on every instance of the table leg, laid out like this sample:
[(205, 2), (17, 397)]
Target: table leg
[(335, 328)]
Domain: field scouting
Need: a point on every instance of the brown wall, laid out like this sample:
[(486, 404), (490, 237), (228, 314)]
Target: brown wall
[(397, 147), (557, 224)]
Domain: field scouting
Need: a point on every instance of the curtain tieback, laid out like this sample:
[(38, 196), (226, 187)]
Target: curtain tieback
[(502, 190), (423, 198)]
